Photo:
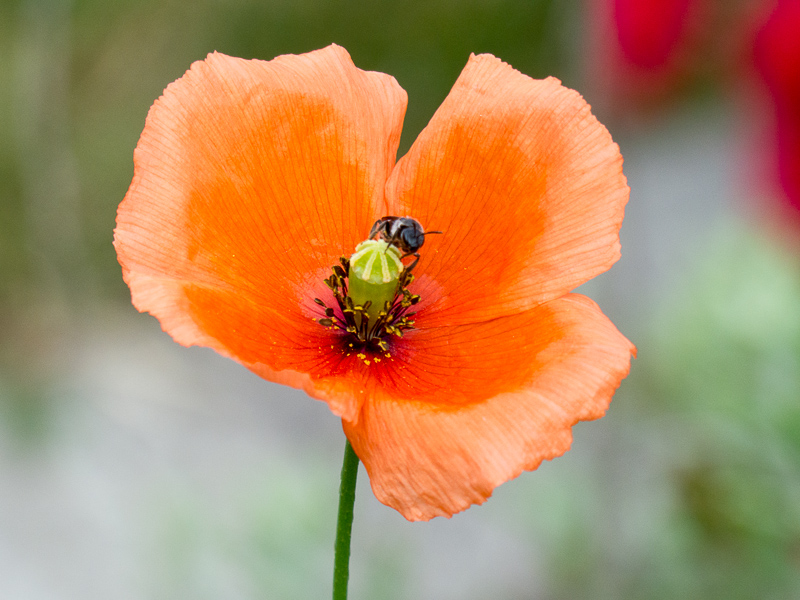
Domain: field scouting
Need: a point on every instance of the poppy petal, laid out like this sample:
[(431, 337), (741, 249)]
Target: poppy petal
[(251, 179), (526, 185), (432, 459)]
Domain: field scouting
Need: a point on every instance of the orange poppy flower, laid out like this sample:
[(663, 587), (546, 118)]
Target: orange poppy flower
[(253, 178)]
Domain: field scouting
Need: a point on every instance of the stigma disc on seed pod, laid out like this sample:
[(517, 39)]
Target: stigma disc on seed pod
[(376, 262)]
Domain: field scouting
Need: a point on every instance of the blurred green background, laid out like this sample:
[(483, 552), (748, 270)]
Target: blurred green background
[(133, 468)]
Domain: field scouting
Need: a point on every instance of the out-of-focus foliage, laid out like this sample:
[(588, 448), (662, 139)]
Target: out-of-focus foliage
[(724, 382)]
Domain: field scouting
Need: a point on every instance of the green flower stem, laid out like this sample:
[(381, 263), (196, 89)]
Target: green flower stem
[(344, 526)]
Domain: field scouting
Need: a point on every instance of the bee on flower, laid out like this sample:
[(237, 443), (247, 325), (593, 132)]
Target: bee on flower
[(249, 227)]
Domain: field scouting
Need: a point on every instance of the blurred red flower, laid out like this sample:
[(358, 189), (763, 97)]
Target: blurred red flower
[(644, 50), (777, 57)]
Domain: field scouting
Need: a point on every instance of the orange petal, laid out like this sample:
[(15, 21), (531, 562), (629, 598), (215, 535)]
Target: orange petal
[(251, 178), (526, 185), (543, 370)]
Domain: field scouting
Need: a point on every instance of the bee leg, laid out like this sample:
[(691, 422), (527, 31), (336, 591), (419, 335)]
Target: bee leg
[(413, 264), (376, 227)]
